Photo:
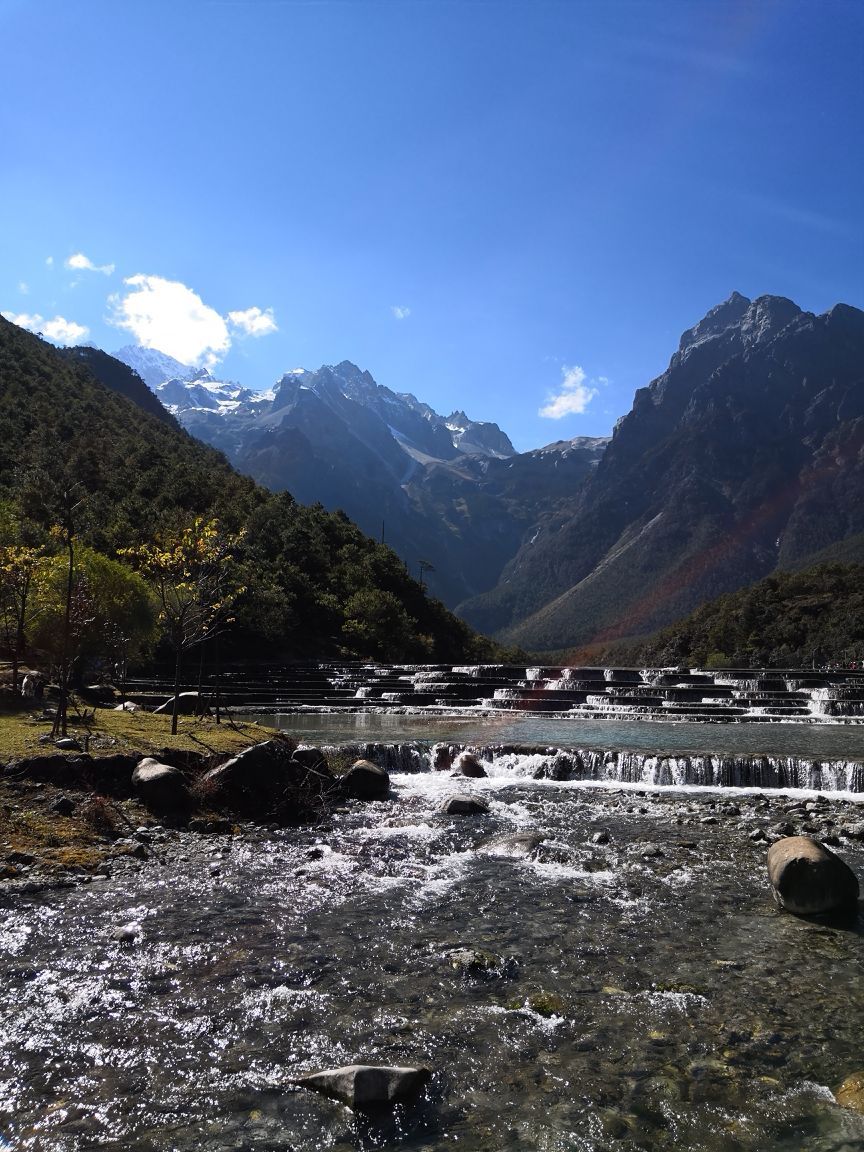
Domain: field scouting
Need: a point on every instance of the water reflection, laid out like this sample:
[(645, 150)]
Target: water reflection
[(842, 742)]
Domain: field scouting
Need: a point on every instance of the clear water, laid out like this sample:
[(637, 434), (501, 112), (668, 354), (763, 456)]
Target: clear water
[(815, 742), (686, 1013)]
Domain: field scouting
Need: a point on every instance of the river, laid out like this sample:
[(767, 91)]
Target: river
[(621, 980)]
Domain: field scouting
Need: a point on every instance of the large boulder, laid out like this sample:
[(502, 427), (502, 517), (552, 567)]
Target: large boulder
[(159, 786), (312, 758), (366, 781), (266, 778), (188, 704), (807, 878), (367, 1086), (467, 764), (464, 806)]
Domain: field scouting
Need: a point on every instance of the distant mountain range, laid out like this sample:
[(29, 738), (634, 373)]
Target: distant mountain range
[(744, 457), (446, 490)]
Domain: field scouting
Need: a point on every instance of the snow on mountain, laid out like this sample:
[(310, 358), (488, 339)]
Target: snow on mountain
[(153, 366)]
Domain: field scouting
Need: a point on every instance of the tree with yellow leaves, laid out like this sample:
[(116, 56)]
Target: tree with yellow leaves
[(196, 581)]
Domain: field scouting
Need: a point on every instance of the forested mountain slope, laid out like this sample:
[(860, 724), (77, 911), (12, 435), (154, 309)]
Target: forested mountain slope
[(315, 584), (790, 619)]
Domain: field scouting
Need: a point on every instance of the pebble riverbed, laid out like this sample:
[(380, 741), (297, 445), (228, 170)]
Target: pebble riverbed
[(612, 976)]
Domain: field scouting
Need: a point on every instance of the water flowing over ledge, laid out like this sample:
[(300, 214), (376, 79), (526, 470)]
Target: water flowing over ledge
[(619, 766), (652, 694)]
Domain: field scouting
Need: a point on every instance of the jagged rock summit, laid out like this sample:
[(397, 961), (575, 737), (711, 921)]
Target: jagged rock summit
[(744, 456)]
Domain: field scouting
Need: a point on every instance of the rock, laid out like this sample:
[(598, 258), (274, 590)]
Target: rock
[(128, 706), (850, 1094), (648, 851), (464, 806), (160, 786), (188, 704), (56, 768), (311, 758), (441, 758), (477, 963), (519, 844), (254, 777), (126, 933), (67, 744), (467, 764), (545, 1004), (367, 1086), (212, 825), (63, 806), (601, 836), (366, 781), (20, 858), (807, 878)]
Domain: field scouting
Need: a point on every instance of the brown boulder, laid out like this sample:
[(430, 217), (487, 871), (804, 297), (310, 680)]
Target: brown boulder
[(807, 878)]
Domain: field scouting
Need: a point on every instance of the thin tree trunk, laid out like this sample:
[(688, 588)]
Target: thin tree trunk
[(217, 669), (199, 709), (177, 665)]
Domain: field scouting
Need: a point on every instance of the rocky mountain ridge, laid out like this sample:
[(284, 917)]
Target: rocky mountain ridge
[(745, 456), (447, 490)]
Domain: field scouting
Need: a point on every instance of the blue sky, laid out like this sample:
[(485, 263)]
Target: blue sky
[(503, 207)]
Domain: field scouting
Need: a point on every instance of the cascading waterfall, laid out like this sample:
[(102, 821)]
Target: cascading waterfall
[(627, 767)]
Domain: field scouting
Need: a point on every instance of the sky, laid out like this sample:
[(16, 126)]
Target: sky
[(511, 208)]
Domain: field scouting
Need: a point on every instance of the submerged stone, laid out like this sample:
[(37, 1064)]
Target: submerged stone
[(367, 1086), (850, 1094), (517, 844), (476, 962), (807, 878)]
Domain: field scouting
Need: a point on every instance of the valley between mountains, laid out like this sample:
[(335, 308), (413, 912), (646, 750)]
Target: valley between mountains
[(745, 457)]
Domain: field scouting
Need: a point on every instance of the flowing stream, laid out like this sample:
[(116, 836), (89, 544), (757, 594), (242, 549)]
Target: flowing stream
[(584, 967)]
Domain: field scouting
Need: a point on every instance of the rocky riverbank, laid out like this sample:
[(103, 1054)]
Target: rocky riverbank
[(574, 961)]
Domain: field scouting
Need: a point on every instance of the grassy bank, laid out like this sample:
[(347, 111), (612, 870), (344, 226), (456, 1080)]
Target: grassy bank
[(36, 838)]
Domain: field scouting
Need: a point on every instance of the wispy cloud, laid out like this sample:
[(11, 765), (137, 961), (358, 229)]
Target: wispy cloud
[(400, 311), (253, 322), (60, 330), (167, 315), (23, 287), (796, 214), (573, 395), (49, 261), (81, 263)]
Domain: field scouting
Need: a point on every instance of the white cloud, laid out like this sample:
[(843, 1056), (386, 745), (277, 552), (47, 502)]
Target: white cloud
[(167, 315), (49, 261), (400, 311), (573, 396), (59, 329), (253, 322), (81, 263), (23, 287)]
